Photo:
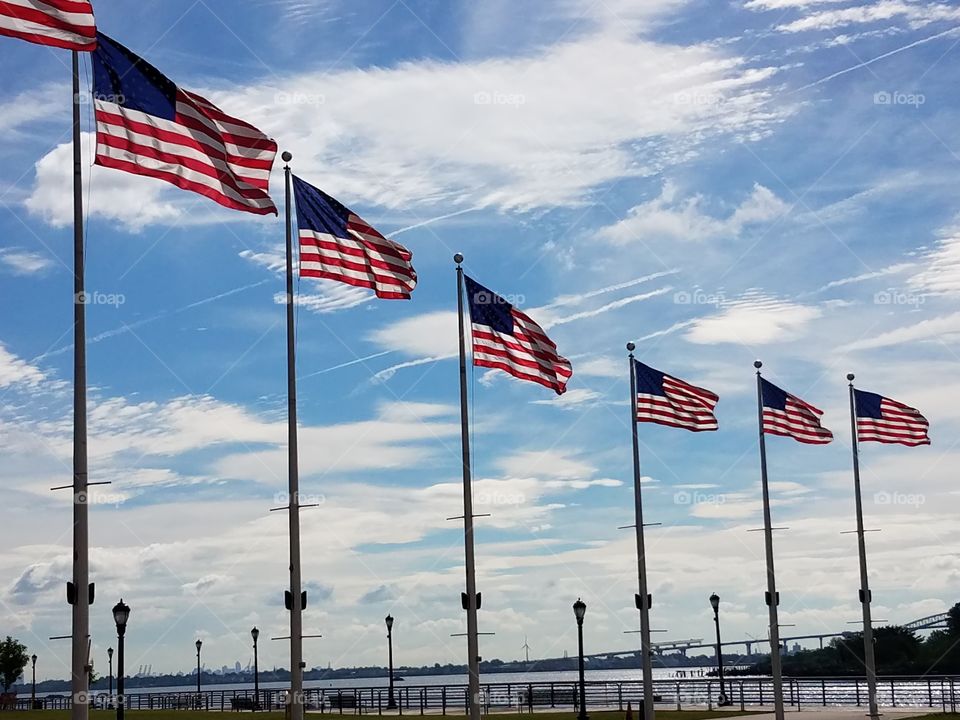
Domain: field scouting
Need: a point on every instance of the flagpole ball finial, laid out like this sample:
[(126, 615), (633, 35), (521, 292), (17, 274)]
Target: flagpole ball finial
[(631, 347), (458, 258), (757, 364), (850, 377), (286, 156)]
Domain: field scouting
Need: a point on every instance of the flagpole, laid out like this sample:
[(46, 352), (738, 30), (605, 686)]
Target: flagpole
[(80, 655), (643, 598), (470, 604), (293, 479), (865, 598), (772, 597)]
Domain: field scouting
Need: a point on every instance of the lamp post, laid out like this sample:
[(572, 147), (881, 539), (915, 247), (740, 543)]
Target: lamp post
[(579, 610), (121, 613), (715, 604), (255, 634), (199, 644), (110, 678), (33, 686), (391, 702)]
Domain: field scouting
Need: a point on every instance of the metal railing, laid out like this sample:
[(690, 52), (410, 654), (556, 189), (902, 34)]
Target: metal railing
[(938, 692)]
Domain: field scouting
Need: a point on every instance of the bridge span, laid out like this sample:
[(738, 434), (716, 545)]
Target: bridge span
[(931, 622)]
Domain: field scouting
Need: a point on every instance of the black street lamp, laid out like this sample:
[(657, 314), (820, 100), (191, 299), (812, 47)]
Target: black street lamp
[(110, 678), (715, 604), (121, 613), (199, 644), (391, 702), (255, 634), (33, 686), (579, 610)]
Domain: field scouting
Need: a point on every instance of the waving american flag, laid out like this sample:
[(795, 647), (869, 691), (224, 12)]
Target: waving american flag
[(881, 419), (60, 23), (506, 339), (665, 400), (337, 244), (787, 415), (146, 125)]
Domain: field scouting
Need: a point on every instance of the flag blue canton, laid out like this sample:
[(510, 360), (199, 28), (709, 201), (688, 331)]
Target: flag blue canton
[(868, 404), (773, 397), (488, 308), (648, 380), (318, 212), (128, 80)]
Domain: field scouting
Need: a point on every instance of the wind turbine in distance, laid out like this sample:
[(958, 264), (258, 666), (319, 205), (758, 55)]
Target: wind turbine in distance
[(526, 647)]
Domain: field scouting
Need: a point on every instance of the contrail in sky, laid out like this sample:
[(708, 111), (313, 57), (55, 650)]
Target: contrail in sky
[(866, 63), (140, 323), (432, 220)]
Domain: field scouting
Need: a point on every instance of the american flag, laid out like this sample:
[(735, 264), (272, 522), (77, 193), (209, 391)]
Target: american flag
[(665, 400), (146, 125), (787, 415), (337, 244), (506, 339), (61, 23), (881, 419)]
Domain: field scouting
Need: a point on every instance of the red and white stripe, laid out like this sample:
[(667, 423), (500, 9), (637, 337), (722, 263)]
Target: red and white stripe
[(683, 406), (59, 23), (366, 259), (901, 425), (202, 149), (800, 421), (527, 354)]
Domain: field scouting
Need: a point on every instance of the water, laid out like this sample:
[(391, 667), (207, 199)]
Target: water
[(515, 678), (432, 680)]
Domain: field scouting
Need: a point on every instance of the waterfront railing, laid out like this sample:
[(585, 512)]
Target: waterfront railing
[(937, 692)]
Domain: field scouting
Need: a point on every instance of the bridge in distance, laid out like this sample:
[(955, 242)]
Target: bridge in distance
[(931, 622)]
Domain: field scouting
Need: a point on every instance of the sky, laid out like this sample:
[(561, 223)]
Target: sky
[(715, 180)]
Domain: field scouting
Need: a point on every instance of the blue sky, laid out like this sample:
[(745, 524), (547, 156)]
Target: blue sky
[(717, 181)]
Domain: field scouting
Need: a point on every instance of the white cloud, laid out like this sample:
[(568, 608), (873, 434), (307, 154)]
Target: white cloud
[(24, 262), (433, 334), (916, 14), (669, 217), (133, 201), (30, 108), (557, 464), (575, 398), (603, 367), (894, 269), (941, 272), (402, 435), (785, 4), (938, 328), (756, 319), (14, 370)]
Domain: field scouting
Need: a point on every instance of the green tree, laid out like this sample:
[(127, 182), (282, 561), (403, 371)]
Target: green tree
[(953, 620), (13, 659)]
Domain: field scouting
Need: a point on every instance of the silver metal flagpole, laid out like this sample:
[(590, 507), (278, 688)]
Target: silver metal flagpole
[(772, 598), (643, 598), (80, 658), (865, 598), (293, 482), (473, 644)]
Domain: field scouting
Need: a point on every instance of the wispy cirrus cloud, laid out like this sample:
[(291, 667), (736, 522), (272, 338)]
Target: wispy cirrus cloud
[(24, 262)]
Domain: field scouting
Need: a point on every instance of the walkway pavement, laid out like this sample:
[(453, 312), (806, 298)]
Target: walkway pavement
[(817, 712)]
